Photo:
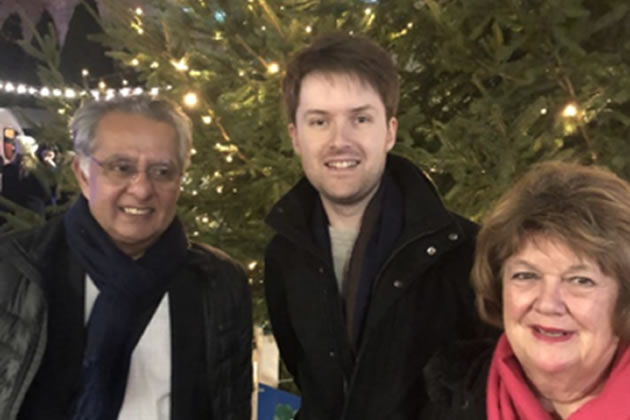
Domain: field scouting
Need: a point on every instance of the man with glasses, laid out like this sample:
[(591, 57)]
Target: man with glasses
[(108, 312)]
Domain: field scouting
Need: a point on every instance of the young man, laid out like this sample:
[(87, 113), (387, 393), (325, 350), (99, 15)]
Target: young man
[(368, 272), (108, 313)]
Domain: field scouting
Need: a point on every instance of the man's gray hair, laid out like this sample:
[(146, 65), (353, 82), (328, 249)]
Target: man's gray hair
[(86, 118)]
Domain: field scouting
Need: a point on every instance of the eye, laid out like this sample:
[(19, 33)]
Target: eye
[(317, 122), (162, 173), (122, 168), (582, 281), (524, 275), (362, 119)]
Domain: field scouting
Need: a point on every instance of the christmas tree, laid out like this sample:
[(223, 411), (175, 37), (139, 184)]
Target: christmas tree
[(488, 88)]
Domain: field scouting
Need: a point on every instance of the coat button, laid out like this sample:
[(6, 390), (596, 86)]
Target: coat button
[(431, 250), (321, 270), (398, 284), (331, 354), (453, 236)]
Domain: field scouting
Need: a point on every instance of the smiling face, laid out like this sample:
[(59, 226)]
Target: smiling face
[(557, 314), (134, 213), (342, 136)]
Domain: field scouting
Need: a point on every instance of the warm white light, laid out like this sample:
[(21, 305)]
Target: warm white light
[(125, 91), (155, 65), (139, 11), (140, 30), (56, 92), (410, 25), (543, 111), (309, 29), (570, 111), (102, 85), (125, 82), (85, 72), (9, 87), (134, 62), (206, 119), (368, 11), (61, 111), (155, 91), (70, 93), (180, 65), (229, 159), (273, 68), (138, 91), (252, 265), (21, 89), (191, 100), (220, 189)]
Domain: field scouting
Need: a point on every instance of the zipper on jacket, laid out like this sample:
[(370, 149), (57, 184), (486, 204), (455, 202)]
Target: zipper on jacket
[(398, 250)]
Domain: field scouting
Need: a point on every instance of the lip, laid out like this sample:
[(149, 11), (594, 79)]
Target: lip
[(145, 211), (551, 335), (344, 164)]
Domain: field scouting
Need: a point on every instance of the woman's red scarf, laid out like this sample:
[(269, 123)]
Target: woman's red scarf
[(509, 397)]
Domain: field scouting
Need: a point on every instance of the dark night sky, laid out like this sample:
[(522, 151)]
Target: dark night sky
[(78, 51)]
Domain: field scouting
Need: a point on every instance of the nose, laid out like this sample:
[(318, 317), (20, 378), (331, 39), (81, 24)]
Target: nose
[(550, 300), (341, 133), (140, 186)]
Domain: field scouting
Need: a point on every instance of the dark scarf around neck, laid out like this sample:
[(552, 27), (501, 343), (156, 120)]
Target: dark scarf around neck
[(381, 226), (130, 292)]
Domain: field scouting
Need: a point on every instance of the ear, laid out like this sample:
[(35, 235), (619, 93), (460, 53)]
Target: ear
[(392, 128), (294, 138), (82, 178)]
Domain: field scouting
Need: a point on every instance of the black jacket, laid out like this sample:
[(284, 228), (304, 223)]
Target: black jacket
[(32, 266), (421, 300), (456, 378)]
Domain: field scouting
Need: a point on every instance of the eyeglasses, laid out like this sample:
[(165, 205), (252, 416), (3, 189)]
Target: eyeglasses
[(120, 171)]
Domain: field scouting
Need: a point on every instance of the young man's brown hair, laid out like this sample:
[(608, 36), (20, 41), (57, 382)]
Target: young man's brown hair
[(340, 53)]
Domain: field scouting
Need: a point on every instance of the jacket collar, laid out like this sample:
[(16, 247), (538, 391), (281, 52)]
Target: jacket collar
[(424, 212)]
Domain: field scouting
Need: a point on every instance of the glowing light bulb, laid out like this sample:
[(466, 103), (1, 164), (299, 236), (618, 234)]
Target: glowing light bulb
[(191, 100), (570, 111), (180, 65), (273, 68)]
